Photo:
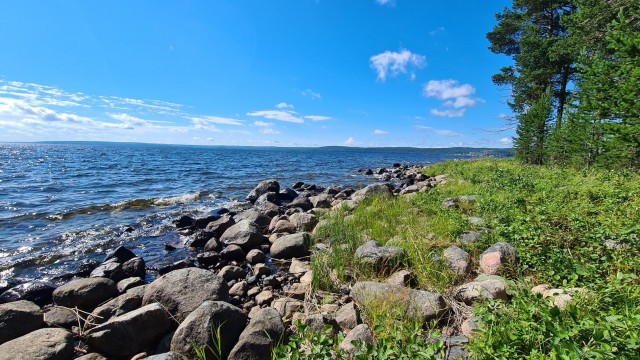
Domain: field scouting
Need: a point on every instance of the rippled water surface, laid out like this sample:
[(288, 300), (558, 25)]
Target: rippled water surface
[(64, 203)]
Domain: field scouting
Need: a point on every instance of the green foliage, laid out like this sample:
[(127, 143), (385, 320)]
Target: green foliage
[(213, 351), (400, 341)]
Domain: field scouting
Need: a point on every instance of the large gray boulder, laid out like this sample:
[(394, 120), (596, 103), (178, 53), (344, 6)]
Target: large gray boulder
[(304, 222), (482, 288), (62, 317), (201, 327), (256, 341), (166, 356), (380, 257), (86, 294), (42, 344), (380, 189), (254, 216), (290, 246), (496, 256), (359, 334), (19, 318), (457, 260), (120, 305), (245, 234), (421, 304), (262, 188), (182, 291), (132, 333), (321, 201), (218, 227)]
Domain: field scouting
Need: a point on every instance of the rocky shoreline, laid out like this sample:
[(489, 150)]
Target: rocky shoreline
[(250, 281)]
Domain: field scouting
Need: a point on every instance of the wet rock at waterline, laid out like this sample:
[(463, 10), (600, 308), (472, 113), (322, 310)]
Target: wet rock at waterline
[(50, 344), (19, 318)]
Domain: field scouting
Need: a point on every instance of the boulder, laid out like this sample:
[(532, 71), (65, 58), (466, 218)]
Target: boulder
[(286, 307), (245, 234), (42, 344), (284, 226), (255, 256), (422, 304), (401, 278), (218, 227), (264, 298), (483, 287), (261, 270), (232, 253), (134, 267), (204, 324), (262, 188), (120, 254), (321, 201), (92, 356), (111, 269), (132, 333), (347, 316), (257, 340), (457, 260), (231, 272), (287, 194), (469, 236), (57, 316), (129, 283), (208, 258), (182, 291), (254, 216), (297, 291), (122, 304), (38, 292), (303, 222), (86, 294), (496, 256), (290, 246), (299, 267), (380, 189), (301, 202), (268, 204), (239, 289), (19, 318), (359, 334), (380, 257)]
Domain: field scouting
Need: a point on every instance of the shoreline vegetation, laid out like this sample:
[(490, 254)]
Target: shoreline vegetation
[(478, 259)]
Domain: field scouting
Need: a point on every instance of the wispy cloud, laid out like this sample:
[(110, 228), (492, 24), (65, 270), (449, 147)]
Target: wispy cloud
[(386, 2), (380, 132), (391, 64), (317, 117), (450, 133), (217, 120), (505, 141), (284, 105), (281, 115), (350, 141), (311, 94), (448, 113)]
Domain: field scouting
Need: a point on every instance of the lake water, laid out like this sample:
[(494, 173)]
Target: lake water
[(64, 203)]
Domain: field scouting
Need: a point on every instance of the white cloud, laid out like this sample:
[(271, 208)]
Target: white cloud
[(349, 141), (311, 94), (450, 133), (282, 115), (501, 116), (386, 2), (505, 141), (392, 64), (262, 124), (129, 120), (380, 132), (462, 102), (202, 124), (217, 120), (447, 89), (317, 117), (448, 113), (284, 105)]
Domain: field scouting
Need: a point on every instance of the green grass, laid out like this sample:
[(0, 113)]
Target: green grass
[(558, 220)]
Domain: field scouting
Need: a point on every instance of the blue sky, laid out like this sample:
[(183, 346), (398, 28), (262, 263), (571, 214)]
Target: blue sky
[(252, 72)]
